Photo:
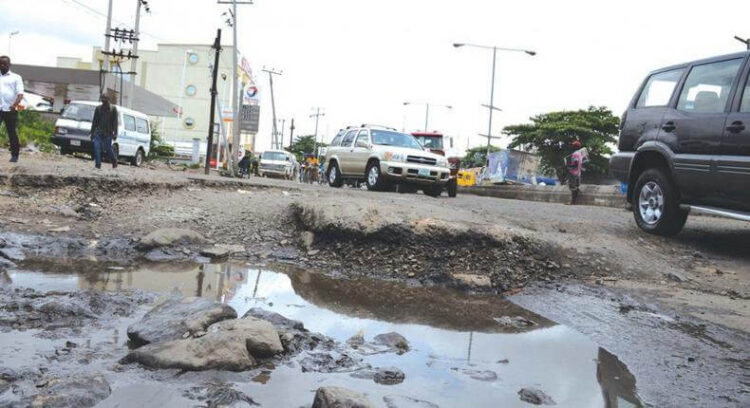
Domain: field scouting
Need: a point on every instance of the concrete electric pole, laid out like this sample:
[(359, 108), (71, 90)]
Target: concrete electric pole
[(317, 116), (275, 143), (141, 3), (236, 93)]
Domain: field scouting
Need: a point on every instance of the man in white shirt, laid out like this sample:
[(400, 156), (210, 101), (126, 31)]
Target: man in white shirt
[(11, 95)]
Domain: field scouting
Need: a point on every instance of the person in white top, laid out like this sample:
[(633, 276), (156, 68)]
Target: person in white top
[(11, 95)]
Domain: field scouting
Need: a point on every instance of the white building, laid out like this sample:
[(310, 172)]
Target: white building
[(181, 74)]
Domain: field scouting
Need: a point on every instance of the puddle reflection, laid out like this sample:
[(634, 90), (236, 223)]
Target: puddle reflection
[(461, 356)]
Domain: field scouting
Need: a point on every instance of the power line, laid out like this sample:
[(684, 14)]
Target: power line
[(98, 13)]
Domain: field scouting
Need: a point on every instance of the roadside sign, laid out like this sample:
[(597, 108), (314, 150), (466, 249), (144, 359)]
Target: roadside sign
[(227, 115), (250, 94), (250, 118)]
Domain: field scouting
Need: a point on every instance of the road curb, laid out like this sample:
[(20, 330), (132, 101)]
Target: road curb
[(603, 196)]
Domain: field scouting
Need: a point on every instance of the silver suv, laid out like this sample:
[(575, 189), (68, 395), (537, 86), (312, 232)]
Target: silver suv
[(384, 157)]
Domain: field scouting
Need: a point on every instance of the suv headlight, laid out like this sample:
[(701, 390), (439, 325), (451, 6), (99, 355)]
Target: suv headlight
[(442, 163), (396, 157)]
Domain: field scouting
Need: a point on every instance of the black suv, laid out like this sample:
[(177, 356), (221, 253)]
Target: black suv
[(685, 143)]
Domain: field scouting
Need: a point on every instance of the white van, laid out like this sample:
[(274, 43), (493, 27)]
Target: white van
[(73, 130), (278, 163)]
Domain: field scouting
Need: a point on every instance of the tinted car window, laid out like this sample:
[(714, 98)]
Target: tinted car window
[(363, 140), (141, 125), (707, 87), (129, 122), (389, 138), (336, 140), (659, 89), (348, 138), (273, 156), (745, 106)]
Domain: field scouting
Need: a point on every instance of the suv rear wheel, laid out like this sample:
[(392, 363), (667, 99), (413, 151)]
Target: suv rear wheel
[(334, 175), (373, 178), (655, 204)]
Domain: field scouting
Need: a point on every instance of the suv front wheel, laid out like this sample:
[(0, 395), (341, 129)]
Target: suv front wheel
[(373, 178), (655, 205), (334, 175)]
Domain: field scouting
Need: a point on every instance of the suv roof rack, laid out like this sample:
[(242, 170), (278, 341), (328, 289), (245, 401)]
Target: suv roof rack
[(378, 126)]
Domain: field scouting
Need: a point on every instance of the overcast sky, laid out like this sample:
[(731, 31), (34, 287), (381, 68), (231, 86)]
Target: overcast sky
[(360, 60)]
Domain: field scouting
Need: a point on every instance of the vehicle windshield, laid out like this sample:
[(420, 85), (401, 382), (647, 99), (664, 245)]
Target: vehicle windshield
[(273, 156), (431, 142), (388, 138), (76, 111)]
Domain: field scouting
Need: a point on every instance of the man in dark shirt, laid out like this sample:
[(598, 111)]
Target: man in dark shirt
[(104, 131)]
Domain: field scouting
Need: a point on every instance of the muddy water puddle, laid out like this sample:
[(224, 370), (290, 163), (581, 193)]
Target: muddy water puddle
[(465, 351)]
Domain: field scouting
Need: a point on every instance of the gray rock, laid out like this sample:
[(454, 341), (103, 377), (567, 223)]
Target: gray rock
[(357, 340), (307, 238), (12, 254), (535, 396), (393, 340), (479, 375), (220, 396), (169, 237), (400, 401), (7, 376), (233, 345), (6, 263), (389, 376), (214, 351), (278, 321), (177, 316), (215, 252), (260, 336), (71, 391), (338, 397), (677, 277), (328, 363), (517, 322)]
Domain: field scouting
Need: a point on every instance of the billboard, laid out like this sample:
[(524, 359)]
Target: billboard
[(250, 118), (513, 166)]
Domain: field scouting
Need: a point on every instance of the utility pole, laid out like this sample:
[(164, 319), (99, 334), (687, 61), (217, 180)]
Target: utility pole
[(274, 137), (105, 57), (235, 88), (491, 107), (317, 116), (291, 133), (135, 46), (214, 92), (745, 41), (281, 135)]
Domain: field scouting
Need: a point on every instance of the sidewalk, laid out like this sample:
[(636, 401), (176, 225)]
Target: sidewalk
[(604, 196)]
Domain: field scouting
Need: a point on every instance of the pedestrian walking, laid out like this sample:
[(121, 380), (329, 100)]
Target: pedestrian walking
[(104, 131), (11, 95), (574, 163)]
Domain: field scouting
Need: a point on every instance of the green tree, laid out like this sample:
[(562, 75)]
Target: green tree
[(32, 128), (550, 135), (157, 146), (476, 156), (304, 145)]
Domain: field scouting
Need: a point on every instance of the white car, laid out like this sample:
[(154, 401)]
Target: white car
[(278, 163), (383, 157), (73, 132)]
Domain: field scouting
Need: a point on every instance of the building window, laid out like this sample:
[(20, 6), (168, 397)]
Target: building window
[(193, 58), (190, 90), (189, 123)]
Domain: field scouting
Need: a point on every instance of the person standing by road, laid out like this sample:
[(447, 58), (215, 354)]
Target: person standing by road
[(104, 131), (11, 95), (574, 163)]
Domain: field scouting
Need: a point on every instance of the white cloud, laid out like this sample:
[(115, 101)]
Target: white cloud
[(361, 60)]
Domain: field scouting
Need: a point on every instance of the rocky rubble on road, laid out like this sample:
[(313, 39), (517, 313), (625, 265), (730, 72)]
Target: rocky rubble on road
[(178, 317), (220, 396), (64, 392), (535, 396), (339, 397), (22, 309)]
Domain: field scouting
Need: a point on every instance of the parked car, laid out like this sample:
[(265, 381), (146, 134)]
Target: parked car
[(278, 163), (433, 142), (685, 143), (73, 130), (383, 157), (34, 102)]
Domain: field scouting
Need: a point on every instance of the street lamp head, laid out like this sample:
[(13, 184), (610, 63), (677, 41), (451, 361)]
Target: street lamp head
[(532, 53), (458, 45), (449, 106), (406, 103)]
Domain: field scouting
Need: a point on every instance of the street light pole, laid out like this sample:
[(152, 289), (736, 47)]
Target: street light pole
[(10, 37), (491, 106), (426, 113), (745, 41)]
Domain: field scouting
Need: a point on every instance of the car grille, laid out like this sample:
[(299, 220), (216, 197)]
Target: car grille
[(421, 160)]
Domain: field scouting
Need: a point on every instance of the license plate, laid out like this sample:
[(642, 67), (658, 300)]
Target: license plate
[(75, 142), (424, 172)]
